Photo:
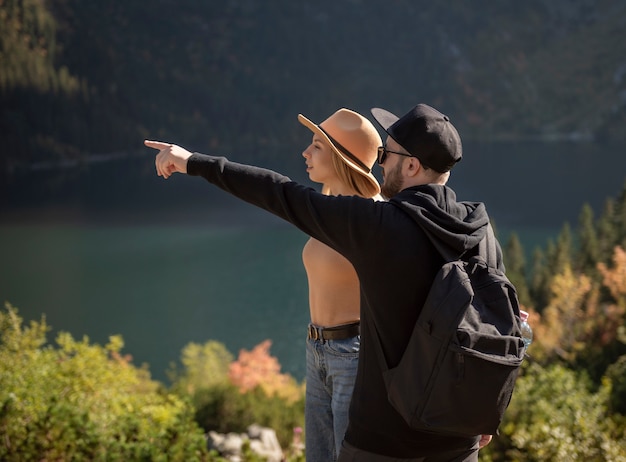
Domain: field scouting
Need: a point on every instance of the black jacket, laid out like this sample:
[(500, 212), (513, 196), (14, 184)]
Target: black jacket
[(389, 246)]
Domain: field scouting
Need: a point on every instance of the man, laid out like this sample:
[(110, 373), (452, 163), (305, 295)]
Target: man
[(388, 244)]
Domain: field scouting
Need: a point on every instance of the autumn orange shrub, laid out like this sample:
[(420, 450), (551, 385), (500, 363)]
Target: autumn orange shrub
[(257, 368), (577, 319)]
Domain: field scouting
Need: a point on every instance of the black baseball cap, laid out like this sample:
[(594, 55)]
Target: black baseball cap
[(426, 134)]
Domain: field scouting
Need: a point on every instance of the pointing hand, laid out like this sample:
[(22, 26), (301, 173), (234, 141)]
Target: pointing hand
[(170, 159)]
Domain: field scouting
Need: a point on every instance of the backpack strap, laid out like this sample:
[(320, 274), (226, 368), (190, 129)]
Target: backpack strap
[(486, 248)]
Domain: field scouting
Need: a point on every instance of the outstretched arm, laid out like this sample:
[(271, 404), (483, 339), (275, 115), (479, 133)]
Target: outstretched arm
[(170, 159), (341, 222)]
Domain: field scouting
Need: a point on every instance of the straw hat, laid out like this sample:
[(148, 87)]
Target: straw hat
[(353, 138)]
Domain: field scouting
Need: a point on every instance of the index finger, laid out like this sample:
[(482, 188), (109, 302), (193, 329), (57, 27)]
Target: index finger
[(156, 144)]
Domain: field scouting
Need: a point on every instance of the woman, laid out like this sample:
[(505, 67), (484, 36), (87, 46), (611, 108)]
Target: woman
[(340, 157)]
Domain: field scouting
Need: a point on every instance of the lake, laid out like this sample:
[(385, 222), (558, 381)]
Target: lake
[(162, 287), (168, 263)]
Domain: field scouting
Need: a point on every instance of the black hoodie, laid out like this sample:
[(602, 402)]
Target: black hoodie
[(392, 246)]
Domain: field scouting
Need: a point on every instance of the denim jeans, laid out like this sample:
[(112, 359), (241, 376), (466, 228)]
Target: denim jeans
[(330, 374)]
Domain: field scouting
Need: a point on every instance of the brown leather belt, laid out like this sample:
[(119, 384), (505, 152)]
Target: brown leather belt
[(334, 333)]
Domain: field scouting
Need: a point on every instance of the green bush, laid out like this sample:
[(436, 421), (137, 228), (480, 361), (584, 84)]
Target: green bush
[(204, 366), (225, 409), (617, 373), (78, 401), (555, 416)]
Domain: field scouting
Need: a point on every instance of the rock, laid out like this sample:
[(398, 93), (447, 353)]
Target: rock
[(262, 440)]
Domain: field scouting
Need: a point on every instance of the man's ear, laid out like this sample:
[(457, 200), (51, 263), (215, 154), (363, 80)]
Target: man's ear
[(412, 166)]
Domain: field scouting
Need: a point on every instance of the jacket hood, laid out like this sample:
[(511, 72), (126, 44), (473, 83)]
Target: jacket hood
[(453, 227)]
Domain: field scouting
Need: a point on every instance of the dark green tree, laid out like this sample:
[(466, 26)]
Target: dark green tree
[(588, 253), (557, 257), (515, 264), (562, 256), (620, 219), (611, 227), (540, 279), (607, 231)]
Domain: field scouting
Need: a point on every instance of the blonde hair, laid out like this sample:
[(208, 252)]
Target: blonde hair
[(348, 176)]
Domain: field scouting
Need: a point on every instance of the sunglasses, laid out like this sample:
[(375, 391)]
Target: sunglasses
[(383, 151)]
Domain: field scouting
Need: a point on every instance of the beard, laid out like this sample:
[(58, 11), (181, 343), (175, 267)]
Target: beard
[(392, 182)]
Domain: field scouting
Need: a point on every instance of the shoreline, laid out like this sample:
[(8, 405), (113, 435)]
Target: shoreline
[(59, 215)]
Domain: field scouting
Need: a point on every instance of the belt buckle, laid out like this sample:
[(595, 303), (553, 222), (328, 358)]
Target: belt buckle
[(314, 333)]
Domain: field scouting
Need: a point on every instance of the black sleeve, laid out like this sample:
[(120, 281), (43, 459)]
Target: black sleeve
[(342, 222)]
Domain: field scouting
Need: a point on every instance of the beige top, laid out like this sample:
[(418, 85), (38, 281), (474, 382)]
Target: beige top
[(334, 295)]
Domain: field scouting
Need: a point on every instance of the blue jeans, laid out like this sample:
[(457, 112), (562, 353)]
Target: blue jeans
[(330, 374)]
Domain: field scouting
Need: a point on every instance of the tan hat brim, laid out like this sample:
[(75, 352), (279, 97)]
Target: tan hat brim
[(374, 186)]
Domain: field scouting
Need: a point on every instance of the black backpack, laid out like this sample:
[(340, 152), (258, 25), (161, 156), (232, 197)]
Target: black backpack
[(459, 368)]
